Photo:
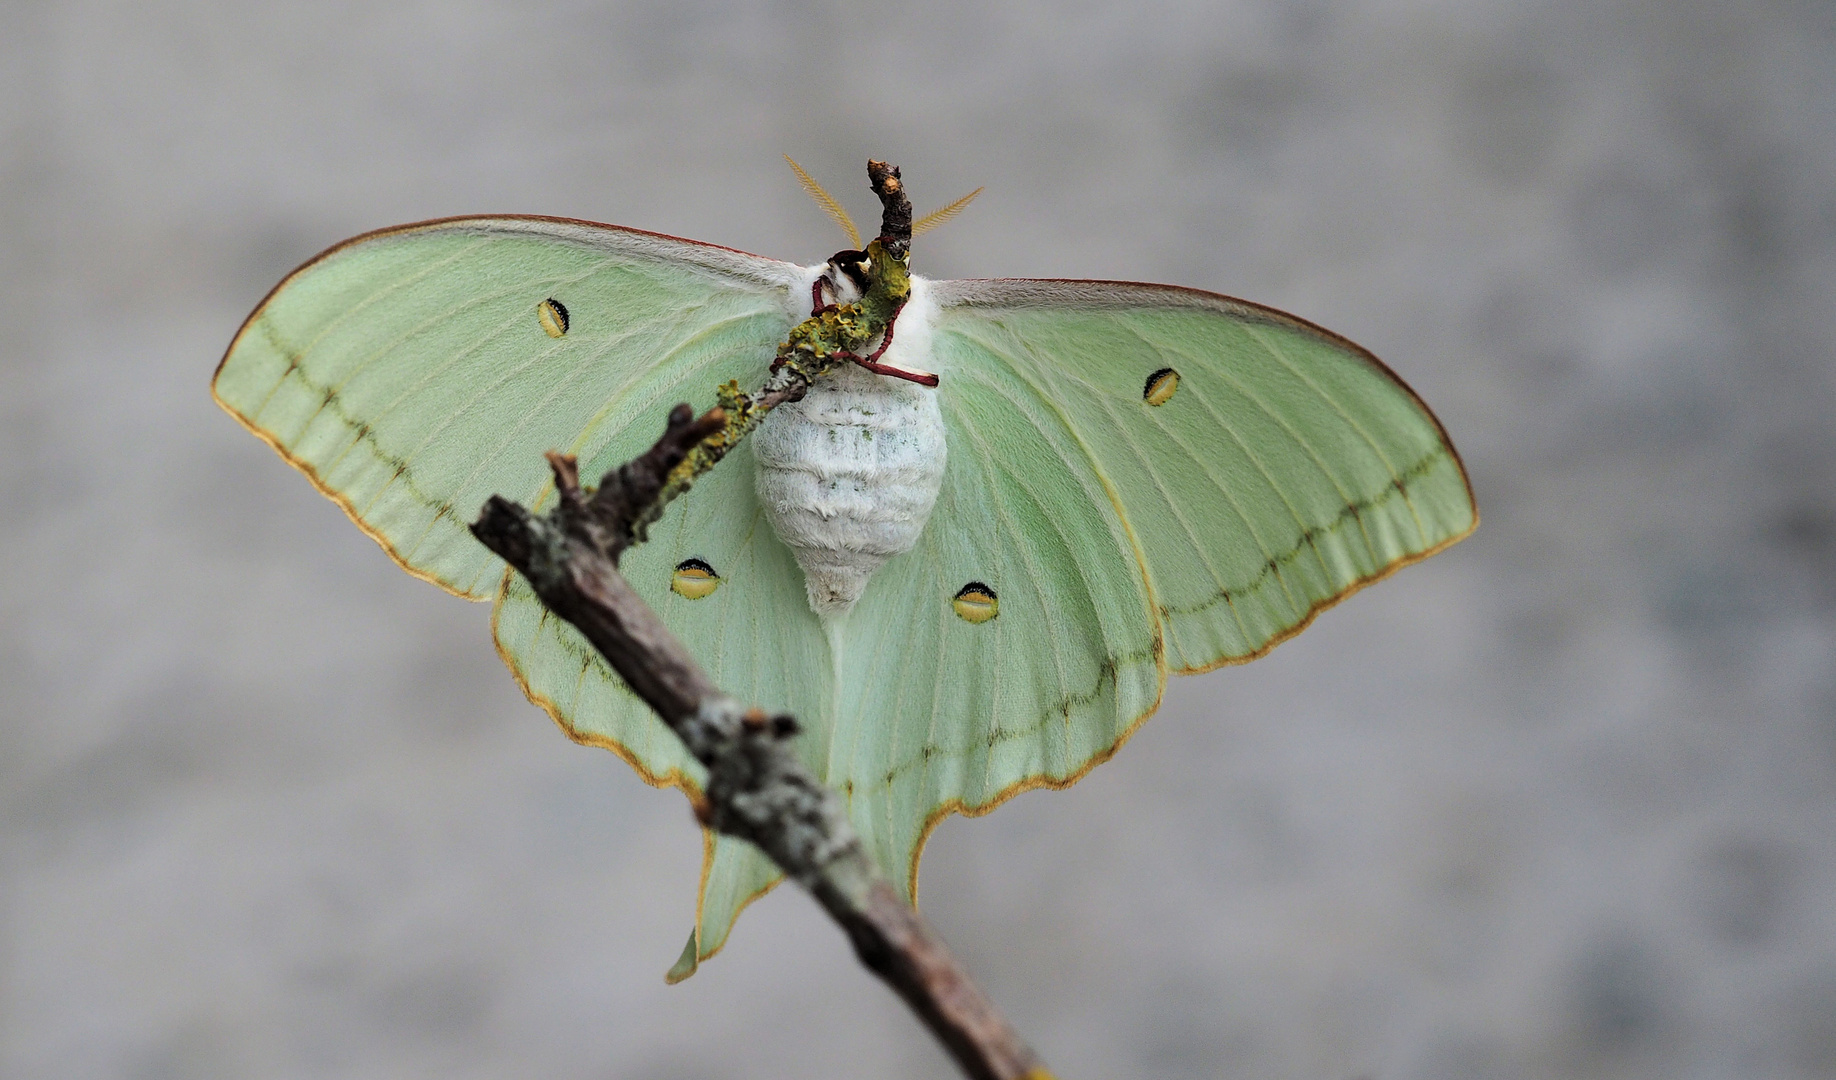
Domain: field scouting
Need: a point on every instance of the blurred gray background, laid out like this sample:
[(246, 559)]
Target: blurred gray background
[(1559, 803)]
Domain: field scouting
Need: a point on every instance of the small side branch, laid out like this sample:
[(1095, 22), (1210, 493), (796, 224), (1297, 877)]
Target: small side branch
[(758, 788)]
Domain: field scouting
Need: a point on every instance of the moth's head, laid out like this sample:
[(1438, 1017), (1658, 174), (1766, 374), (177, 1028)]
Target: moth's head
[(848, 274)]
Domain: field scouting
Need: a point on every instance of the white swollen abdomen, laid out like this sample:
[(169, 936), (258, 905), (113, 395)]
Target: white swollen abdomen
[(848, 476)]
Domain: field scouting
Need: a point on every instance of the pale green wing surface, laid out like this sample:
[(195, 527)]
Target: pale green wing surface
[(1143, 478), (413, 372), (753, 632), (935, 712), (1277, 469)]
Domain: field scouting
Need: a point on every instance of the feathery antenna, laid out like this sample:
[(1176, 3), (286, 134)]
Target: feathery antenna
[(942, 214), (829, 205)]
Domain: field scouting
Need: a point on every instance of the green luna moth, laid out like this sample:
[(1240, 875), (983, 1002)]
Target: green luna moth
[(963, 592)]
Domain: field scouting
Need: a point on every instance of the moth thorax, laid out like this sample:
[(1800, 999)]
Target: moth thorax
[(848, 477)]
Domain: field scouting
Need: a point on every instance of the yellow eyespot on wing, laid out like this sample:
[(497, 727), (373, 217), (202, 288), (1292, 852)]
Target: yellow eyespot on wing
[(552, 314), (976, 603), (694, 579), (1160, 386)]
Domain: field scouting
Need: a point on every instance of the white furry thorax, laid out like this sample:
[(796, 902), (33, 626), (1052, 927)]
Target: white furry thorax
[(849, 474)]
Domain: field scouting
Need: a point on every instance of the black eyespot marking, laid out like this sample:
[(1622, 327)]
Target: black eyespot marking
[(552, 314), (976, 603), (1160, 386), (694, 579), (854, 265)]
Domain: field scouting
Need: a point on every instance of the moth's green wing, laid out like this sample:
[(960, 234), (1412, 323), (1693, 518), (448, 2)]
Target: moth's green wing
[(934, 712), (754, 634), (408, 373), (1123, 539), (1287, 468)]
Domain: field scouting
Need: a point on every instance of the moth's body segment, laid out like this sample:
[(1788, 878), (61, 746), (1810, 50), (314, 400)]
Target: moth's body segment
[(849, 474)]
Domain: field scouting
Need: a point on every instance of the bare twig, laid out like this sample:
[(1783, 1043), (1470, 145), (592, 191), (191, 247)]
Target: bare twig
[(758, 788), (895, 205)]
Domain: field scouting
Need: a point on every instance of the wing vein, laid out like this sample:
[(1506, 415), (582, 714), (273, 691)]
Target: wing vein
[(1388, 465)]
